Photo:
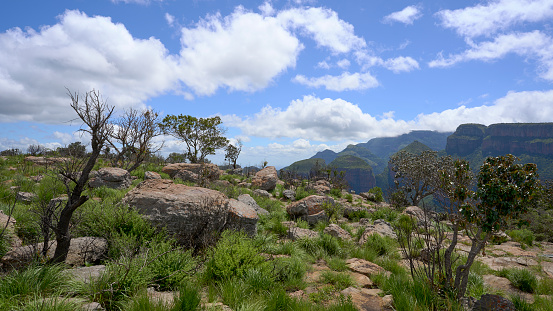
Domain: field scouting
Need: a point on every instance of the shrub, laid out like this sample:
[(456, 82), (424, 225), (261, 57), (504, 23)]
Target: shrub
[(188, 299), (385, 213), (289, 271), (170, 266), (337, 264), (378, 195), (340, 280), (349, 197), (523, 236), (336, 192), (522, 279), (234, 254)]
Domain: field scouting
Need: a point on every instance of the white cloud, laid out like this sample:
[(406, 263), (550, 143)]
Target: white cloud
[(170, 19), (401, 64), (515, 107), (407, 16), (343, 63), (324, 26), (496, 15), (312, 118), (533, 44), (217, 54), (323, 65), (323, 120), (397, 64), (344, 82), (80, 53)]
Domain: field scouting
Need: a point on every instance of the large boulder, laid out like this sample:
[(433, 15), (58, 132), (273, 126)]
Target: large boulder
[(193, 215), (111, 177), (193, 172), (266, 179), (81, 251), (247, 199), (242, 217), (380, 227), (8, 222), (309, 209)]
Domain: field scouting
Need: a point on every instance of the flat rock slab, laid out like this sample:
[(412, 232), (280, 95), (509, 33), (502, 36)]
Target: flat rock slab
[(505, 286), (498, 263), (365, 299), (85, 274), (364, 267)]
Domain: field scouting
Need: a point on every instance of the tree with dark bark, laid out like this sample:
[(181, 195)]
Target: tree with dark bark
[(202, 136), (35, 150), (505, 190), (132, 140), (95, 113)]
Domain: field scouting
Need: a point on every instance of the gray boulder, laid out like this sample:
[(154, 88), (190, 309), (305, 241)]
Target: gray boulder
[(151, 175), (247, 199), (337, 231), (111, 177), (262, 193), (310, 208), (242, 217), (81, 251), (289, 194), (193, 172), (380, 227), (266, 179), (193, 215)]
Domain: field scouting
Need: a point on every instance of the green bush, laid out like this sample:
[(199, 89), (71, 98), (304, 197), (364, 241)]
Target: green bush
[(385, 213), (523, 236), (302, 192), (522, 279), (340, 280), (170, 266), (349, 197), (380, 245), (234, 254), (336, 192), (289, 271), (188, 299), (378, 195)]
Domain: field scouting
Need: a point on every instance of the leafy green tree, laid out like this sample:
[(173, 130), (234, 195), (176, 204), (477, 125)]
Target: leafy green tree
[(505, 190), (416, 175), (202, 136), (74, 149)]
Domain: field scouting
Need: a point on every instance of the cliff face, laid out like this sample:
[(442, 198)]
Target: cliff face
[(499, 139), (358, 173)]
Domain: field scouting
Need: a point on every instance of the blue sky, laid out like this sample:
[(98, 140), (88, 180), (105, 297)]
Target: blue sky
[(288, 77)]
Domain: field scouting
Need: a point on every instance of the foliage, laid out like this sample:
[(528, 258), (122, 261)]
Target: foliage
[(523, 236), (75, 149), (522, 279), (417, 175), (340, 280), (378, 194), (35, 150), (202, 136), (234, 254)]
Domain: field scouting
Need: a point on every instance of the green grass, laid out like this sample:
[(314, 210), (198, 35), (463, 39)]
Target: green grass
[(522, 279)]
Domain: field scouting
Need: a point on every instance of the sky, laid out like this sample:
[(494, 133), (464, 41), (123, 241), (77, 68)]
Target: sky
[(288, 78)]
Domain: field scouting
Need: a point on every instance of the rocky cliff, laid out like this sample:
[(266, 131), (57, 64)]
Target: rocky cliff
[(499, 139), (359, 174)]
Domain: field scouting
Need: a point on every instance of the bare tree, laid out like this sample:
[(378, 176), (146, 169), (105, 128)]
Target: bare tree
[(232, 153), (133, 136), (36, 150), (95, 113)]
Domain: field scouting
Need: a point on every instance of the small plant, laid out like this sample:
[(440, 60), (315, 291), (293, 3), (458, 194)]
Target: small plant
[(522, 279), (378, 194), (340, 280), (523, 236), (234, 254), (336, 264), (349, 197), (335, 192)]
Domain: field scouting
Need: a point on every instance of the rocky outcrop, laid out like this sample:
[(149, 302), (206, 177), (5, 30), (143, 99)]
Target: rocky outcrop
[(151, 175), (504, 138), (111, 177), (45, 160), (193, 172), (81, 251), (248, 200), (310, 208), (192, 215), (266, 179)]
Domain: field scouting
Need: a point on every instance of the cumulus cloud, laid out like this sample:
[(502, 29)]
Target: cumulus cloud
[(80, 53), (533, 44), (324, 26), (316, 119), (494, 16), (401, 64), (344, 82), (406, 16), (216, 53)]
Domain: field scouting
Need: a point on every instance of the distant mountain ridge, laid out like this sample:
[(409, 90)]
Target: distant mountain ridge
[(531, 142)]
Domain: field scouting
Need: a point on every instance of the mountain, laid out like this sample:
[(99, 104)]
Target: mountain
[(358, 173), (303, 167), (327, 155), (377, 164), (384, 147), (531, 142)]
